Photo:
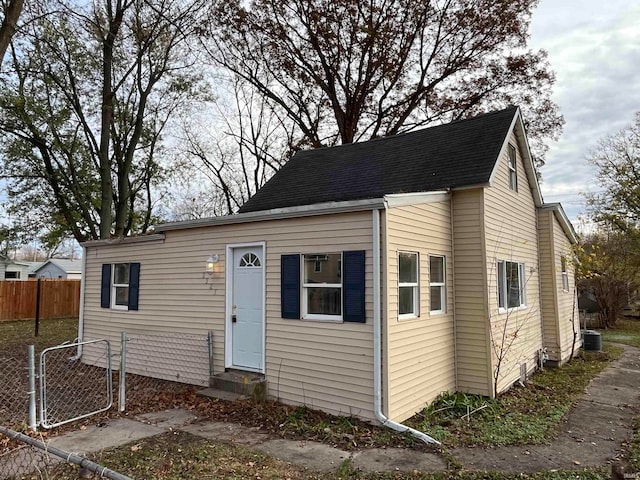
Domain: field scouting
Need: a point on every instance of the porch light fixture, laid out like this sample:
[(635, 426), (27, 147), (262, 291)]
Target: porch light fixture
[(211, 261), (209, 269)]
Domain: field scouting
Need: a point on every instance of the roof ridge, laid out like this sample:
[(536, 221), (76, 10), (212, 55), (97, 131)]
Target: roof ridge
[(409, 132)]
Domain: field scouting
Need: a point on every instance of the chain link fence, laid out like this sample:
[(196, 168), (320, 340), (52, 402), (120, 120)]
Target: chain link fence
[(25, 457), (14, 400), (72, 388), (151, 361), (72, 381)]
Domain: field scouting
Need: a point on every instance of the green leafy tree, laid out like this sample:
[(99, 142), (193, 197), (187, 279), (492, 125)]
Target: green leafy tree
[(85, 100), (344, 71)]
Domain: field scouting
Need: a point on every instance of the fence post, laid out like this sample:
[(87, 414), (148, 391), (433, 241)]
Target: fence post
[(123, 371), (38, 307), (32, 388), (210, 345)]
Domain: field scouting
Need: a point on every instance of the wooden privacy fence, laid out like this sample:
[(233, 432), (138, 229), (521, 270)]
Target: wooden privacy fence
[(58, 299)]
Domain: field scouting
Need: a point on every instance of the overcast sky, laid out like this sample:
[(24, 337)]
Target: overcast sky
[(594, 48)]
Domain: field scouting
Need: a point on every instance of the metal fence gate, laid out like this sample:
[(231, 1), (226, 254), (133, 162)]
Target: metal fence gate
[(72, 388)]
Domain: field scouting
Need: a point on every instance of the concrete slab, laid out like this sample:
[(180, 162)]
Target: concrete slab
[(168, 419), (228, 432), (114, 433), (397, 460), (600, 421), (622, 374), (313, 455)]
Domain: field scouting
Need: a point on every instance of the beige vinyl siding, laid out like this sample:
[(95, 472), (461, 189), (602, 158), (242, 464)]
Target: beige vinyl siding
[(548, 285), (321, 364), (568, 319), (511, 235), (471, 325), (421, 351)]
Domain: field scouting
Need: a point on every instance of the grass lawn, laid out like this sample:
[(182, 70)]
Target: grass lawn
[(16, 335), (524, 415), (625, 331), (179, 455)]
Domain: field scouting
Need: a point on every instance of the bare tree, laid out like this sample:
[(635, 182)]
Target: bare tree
[(346, 70), (251, 141), (608, 268), (617, 158)]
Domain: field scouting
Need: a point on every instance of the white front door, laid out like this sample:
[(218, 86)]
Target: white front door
[(247, 304)]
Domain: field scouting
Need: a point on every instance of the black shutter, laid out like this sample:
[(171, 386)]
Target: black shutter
[(105, 286), (134, 285), (290, 286), (353, 282)]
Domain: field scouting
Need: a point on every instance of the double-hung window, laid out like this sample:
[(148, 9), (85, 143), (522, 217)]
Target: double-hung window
[(511, 284), (322, 286), (327, 286), (437, 297), (408, 285), (565, 274), (120, 286), (513, 169)]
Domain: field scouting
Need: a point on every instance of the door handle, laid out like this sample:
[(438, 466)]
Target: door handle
[(234, 318)]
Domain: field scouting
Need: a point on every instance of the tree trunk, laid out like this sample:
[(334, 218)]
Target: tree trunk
[(106, 183), (8, 28)]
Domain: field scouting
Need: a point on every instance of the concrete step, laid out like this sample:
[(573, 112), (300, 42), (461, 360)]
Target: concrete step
[(220, 394), (248, 384)]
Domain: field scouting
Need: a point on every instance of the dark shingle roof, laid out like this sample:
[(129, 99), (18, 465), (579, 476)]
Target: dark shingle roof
[(454, 155)]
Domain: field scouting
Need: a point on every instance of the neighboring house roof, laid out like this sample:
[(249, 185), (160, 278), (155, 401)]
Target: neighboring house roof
[(24, 263), (19, 264), (458, 154), (32, 266), (69, 266)]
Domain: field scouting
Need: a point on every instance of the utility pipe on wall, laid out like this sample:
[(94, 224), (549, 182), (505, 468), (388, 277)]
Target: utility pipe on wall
[(377, 342)]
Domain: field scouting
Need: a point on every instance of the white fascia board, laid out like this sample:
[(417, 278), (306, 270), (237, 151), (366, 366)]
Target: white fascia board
[(415, 198), (471, 187), (277, 214), (563, 220), (156, 237), (529, 167)]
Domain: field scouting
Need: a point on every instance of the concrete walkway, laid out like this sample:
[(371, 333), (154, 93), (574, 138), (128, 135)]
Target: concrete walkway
[(591, 435)]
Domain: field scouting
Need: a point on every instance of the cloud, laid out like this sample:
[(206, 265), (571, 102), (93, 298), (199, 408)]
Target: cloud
[(595, 55)]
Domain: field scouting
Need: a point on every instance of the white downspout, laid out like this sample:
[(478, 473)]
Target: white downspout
[(377, 336), (83, 283)]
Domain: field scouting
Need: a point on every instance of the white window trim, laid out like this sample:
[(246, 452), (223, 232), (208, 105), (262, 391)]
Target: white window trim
[(443, 285), (522, 283), (416, 288), (305, 286), (513, 167), (565, 273), (115, 306)]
